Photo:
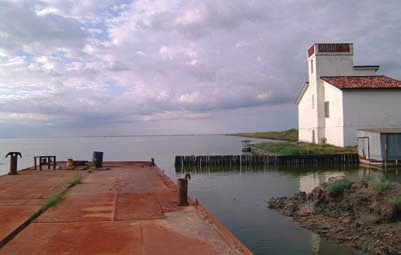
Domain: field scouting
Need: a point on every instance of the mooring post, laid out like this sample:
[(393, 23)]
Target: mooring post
[(13, 162), (182, 185)]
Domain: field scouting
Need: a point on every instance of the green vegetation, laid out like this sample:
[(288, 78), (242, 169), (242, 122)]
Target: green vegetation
[(381, 185), (329, 213), (396, 200), (76, 179), (338, 188), (53, 200), (286, 135), (368, 178), (91, 170), (49, 203), (297, 148)]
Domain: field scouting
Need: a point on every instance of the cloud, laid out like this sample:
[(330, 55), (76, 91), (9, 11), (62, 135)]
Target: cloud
[(125, 67)]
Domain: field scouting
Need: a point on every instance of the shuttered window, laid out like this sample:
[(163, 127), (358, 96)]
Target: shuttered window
[(326, 109)]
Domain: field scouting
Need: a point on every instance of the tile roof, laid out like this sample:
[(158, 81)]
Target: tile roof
[(363, 82)]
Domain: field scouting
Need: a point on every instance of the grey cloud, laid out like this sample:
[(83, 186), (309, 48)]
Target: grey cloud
[(23, 28), (156, 62)]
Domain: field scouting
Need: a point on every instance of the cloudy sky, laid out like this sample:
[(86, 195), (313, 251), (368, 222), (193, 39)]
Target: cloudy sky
[(104, 67)]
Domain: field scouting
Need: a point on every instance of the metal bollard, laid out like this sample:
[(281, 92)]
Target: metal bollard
[(182, 192), (13, 162)]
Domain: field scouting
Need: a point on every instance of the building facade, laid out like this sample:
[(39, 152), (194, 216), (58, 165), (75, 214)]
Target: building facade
[(380, 145), (340, 98)]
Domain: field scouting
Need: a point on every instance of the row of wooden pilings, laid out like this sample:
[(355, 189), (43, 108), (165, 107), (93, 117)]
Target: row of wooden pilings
[(244, 160)]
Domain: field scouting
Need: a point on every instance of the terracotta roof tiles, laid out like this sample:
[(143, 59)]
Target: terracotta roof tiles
[(362, 82)]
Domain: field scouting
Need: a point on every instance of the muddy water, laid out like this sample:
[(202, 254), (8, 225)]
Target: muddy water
[(237, 197)]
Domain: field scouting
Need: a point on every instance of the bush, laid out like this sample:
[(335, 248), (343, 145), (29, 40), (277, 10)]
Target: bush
[(396, 200), (293, 151), (381, 186), (338, 188), (296, 148), (367, 178), (329, 213)]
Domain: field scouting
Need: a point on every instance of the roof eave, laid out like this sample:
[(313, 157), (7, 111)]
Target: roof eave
[(372, 67), (304, 89)]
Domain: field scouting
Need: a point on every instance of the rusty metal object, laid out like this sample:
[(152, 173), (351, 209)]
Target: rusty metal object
[(79, 162), (187, 176), (182, 192), (13, 162), (97, 158), (44, 160)]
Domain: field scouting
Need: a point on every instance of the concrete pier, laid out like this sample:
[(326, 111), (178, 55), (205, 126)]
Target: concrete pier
[(120, 208)]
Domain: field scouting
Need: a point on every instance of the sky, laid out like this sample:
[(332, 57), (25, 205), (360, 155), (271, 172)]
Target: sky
[(153, 67)]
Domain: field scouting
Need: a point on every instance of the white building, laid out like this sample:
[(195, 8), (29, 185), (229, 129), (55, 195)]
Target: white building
[(341, 98)]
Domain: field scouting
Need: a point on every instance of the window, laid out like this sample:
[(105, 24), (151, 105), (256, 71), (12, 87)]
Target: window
[(311, 66), (326, 109)]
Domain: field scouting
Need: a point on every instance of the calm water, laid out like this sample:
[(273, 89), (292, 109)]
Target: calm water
[(237, 197)]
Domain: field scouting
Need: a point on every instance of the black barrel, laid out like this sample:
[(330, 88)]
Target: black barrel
[(97, 158)]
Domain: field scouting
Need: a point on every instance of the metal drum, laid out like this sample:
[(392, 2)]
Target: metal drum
[(97, 158)]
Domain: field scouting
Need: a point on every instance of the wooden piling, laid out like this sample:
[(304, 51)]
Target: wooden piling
[(249, 160)]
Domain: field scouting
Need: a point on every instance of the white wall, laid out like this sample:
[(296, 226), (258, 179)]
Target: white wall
[(363, 72), (327, 64), (312, 118), (334, 123), (370, 109), (306, 117)]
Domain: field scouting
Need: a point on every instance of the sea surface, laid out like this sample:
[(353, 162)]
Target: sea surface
[(237, 197)]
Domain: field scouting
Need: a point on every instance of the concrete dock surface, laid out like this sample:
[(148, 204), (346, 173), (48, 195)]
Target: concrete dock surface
[(120, 208)]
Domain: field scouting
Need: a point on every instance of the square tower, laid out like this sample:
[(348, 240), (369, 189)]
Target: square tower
[(326, 59)]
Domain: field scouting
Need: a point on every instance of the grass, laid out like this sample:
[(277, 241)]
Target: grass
[(49, 203), (76, 179), (396, 200), (298, 148), (286, 135), (338, 188), (53, 200), (368, 178), (331, 214), (381, 186), (91, 170)]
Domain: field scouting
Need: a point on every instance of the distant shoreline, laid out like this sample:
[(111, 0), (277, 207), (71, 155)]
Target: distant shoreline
[(286, 135)]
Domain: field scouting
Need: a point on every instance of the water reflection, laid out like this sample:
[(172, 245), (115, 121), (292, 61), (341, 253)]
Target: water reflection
[(310, 181), (238, 197)]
